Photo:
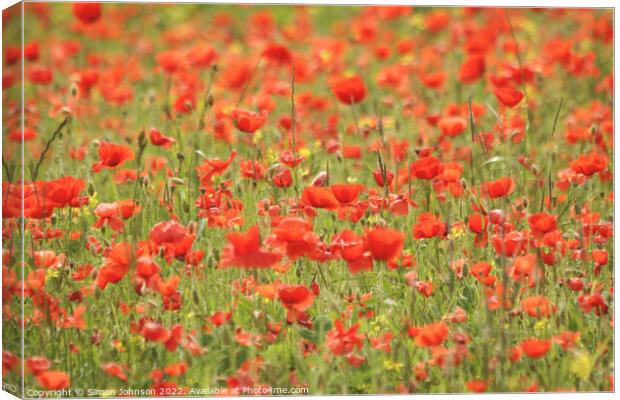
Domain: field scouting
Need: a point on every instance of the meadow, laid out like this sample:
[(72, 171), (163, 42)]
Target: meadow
[(231, 199)]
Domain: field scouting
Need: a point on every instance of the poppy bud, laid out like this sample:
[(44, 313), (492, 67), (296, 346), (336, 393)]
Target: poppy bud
[(464, 183), (185, 206), (210, 100), (142, 139), (593, 129), (180, 156), (144, 180), (74, 89), (535, 170), (150, 97), (214, 68), (192, 227), (91, 189), (524, 202), (177, 181)]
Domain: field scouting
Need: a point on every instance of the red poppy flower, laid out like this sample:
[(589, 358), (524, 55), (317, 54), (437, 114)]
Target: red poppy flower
[(508, 96), (342, 341), (283, 178), (476, 386), (154, 331), (350, 90), (115, 370), (54, 380), (537, 306), (41, 75), (63, 192), (472, 69), (244, 251), (542, 223), (157, 139), (499, 188), (319, 197), (430, 335), (37, 365), (116, 265), (427, 226), (28, 135), (535, 348), (87, 12), (426, 168), (108, 213), (112, 155), (452, 126), (295, 297), (277, 54), (478, 223), (247, 121), (347, 193), (384, 244), (590, 163)]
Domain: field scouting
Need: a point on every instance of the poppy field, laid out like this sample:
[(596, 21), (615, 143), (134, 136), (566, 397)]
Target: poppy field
[(292, 200)]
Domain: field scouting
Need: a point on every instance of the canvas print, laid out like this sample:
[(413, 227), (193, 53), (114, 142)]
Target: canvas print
[(205, 200)]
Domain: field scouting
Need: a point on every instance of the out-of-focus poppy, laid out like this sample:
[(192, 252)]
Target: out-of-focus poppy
[(351, 90), (87, 13), (244, 251)]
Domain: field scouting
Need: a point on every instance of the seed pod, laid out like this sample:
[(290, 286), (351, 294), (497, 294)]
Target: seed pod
[(464, 183)]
